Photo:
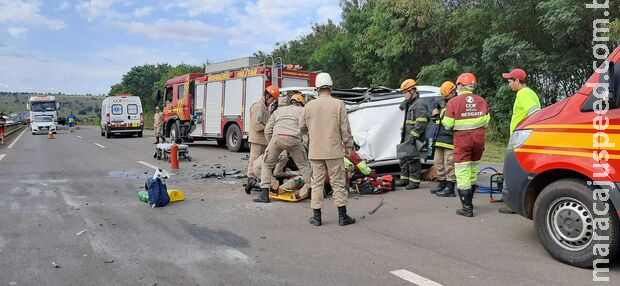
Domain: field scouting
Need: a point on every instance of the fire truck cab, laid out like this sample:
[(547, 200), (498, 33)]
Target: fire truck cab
[(216, 105), (562, 170)]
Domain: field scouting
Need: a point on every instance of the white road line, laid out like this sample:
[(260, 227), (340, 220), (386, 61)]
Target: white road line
[(147, 164), (99, 145), (15, 141), (2, 156), (414, 278), (78, 136)]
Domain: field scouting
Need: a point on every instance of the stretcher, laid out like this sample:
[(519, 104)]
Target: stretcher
[(162, 151)]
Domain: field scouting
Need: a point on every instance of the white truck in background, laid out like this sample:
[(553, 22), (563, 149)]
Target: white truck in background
[(43, 106)]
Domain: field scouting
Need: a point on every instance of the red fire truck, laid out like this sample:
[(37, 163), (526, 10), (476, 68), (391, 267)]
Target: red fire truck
[(215, 105)]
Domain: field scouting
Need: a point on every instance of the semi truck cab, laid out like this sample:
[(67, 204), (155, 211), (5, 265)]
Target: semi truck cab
[(562, 170)]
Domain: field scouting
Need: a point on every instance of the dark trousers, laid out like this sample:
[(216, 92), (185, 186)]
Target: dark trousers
[(410, 170)]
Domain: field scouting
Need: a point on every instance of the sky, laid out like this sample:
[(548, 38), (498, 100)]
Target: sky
[(83, 47)]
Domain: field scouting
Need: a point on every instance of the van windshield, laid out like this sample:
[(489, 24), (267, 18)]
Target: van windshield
[(43, 106)]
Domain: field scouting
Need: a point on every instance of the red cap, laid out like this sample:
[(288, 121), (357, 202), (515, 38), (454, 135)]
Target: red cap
[(516, 73)]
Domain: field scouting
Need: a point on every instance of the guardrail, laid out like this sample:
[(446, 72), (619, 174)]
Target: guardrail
[(13, 128)]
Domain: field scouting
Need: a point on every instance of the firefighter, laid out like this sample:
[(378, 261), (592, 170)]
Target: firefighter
[(527, 101), (158, 122), (414, 125), (259, 115), (444, 146), (468, 115), (327, 124), (283, 132)]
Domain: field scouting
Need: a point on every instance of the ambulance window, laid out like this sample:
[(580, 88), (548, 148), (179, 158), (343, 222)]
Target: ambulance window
[(181, 91), (588, 106), (117, 109), (132, 109)]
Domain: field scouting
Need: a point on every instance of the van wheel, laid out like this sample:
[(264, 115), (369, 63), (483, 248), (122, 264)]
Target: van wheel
[(564, 220), (102, 133), (140, 134), (234, 139), (108, 134)]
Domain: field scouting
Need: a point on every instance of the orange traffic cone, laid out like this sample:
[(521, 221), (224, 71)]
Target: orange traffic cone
[(50, 135)]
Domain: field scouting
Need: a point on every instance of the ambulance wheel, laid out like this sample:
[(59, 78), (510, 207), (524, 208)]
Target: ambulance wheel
[(140, 134), (566, 223), (234, 138), (108, 134)]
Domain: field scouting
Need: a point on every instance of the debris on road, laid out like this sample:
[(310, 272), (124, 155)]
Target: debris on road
[(108, 261), (81, 232), (377, 208), (55, 265)]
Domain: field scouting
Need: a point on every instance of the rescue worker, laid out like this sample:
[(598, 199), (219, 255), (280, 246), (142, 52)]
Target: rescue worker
[(259, 115), (2, 123), (526, 102), (72, 121), (327, 124), (414, 125), (283, 132), (444, 146), (468, 115), (278, 171), (158, 122)]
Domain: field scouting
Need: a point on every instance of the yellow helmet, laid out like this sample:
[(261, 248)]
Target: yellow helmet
[(447, 88), (407, 84), (299, 98)]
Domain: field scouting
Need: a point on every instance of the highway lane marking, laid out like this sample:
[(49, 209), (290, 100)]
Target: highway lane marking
[(147, 164), (414, 278), (99, 145), (2, 156), (15, 141), (78, 136)]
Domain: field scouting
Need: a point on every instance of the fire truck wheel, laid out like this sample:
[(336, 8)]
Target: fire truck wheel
[(174, 132), (234, 139), (567, 224)]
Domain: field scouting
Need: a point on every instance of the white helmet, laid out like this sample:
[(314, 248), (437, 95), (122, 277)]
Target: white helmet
[(324, 80)]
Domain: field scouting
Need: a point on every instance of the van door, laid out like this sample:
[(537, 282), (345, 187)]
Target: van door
[(133, 114)]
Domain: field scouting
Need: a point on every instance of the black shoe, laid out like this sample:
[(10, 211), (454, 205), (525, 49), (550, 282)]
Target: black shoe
[(439, 188), (264, 196), (401, 183), (249, 186), (156, 143), (343, 218), (466, 197), (316, 219), (412, 186), (448, 191)]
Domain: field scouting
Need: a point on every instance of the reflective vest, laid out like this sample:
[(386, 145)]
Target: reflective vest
[(445, 137), (526, 104), (466, 111)]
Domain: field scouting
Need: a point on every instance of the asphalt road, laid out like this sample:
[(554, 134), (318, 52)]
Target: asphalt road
[(53, 190)]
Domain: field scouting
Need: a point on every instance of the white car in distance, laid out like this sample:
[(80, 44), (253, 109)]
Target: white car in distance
[(43, 124)]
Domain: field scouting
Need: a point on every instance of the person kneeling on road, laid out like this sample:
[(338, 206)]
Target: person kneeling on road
[(444, 146), (329, 131), (278, 170), (284, 125)]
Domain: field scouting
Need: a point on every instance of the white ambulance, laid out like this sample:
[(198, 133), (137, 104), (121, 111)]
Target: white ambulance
[(122, 113)]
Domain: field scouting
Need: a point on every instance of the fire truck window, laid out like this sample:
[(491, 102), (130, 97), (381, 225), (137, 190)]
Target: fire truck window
[(181, 92), (169, 94), (588, 106)]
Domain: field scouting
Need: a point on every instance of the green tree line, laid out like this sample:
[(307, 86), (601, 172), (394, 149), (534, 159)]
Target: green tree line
[(383, 42)]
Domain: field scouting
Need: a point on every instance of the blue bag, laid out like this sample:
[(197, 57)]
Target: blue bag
[(158, 193)]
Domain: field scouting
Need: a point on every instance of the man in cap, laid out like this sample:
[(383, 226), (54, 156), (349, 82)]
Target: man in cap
[(326, 121), (526, 102)]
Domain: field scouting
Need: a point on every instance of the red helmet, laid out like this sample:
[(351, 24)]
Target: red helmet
[(467, 79), (274, 91)]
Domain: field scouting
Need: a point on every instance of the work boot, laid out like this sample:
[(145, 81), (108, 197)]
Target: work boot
[(412, 186), (249, 186), (401, 183), (466, 197), (448, 191), (316, 218), (343, 218), (439, 188), (264, 196)]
